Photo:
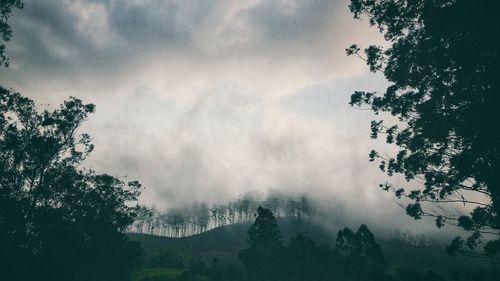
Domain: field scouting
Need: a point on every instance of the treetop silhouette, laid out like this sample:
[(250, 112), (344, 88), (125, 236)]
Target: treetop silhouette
[(6, 7), (442, 65), (265, 231), (56, 218)]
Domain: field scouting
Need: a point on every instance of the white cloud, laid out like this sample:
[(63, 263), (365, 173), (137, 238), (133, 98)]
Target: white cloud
[(202, 100)]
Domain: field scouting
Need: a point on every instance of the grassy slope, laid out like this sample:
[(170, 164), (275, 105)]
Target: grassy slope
[(164, 274), (222, 242), (225, 243)]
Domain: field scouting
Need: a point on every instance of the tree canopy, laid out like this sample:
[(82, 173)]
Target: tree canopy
[(357, 256), (57, 220), (265, 231), (263, 257), (442, 63), (6, 7), (360, 245)]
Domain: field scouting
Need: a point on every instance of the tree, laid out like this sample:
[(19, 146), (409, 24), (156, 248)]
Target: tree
[(363, 255), (264, 255), (265, 231), (305, 206), (6, 7), (203, 217), (57, 220), (361, 244), (273, 203), (442, 64)]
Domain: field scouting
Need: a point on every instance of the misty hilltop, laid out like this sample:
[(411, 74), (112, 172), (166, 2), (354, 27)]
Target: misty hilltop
[(259, 140)]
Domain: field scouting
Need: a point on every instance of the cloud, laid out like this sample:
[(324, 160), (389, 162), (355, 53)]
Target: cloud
[(204, 100)]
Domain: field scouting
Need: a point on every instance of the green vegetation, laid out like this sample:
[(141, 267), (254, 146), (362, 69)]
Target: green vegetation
[(6, 7), (306, 251), (442, 63), (56, 218), (157, 274), (60, 221)]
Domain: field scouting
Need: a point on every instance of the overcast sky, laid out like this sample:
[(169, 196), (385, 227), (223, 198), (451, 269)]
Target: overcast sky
[(206, 100)]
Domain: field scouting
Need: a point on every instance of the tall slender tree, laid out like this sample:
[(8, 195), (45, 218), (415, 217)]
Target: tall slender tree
[(264, 253)]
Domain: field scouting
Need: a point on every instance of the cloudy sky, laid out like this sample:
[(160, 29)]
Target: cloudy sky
[(206, 100)]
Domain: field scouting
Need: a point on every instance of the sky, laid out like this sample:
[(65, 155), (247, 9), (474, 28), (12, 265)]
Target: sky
[(207, 100)]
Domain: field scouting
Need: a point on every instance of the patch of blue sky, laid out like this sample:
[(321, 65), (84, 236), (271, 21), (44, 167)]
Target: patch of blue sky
[(330, 100)]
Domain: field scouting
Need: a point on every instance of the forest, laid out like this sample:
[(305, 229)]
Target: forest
[(199, 217), (267, 253), (197, 110)]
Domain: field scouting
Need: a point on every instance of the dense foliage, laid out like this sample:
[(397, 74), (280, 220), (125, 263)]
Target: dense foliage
[(355, 256), (265, 248), (442, 62), (6, 7), (58, 221)]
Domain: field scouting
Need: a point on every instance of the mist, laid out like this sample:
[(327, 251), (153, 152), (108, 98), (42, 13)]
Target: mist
[(215, 101)]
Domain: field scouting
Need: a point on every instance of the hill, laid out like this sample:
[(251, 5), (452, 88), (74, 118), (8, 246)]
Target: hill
[(225, 242)]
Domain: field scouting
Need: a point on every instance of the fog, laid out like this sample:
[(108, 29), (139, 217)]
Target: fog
[(205, 102)]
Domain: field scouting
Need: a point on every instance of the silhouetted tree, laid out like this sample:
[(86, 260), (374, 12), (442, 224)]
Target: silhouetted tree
[(203, 217), (274, 204), (442, 64), (292, 208), (231, 212), (360, 244), (263, 257), (197, 217), (6, 7), (221, 213), (245, 209), (265, 231), (305, 207), (363, 255), (58, 221)]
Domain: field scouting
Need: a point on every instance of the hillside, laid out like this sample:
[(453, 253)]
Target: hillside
[(225, 242)]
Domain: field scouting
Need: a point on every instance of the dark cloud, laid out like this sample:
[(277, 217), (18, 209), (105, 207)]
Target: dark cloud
[(286, 21), (85, 37), (206, 100), (165, 23), (82, 38)]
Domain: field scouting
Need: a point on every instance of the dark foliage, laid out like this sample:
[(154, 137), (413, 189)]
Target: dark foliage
[(357, 256), (58, 221), (442, 64), (304, 260), (264, 233), (6, 7), (164, 258), (262, 258), (360, 245), (363, 258)]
